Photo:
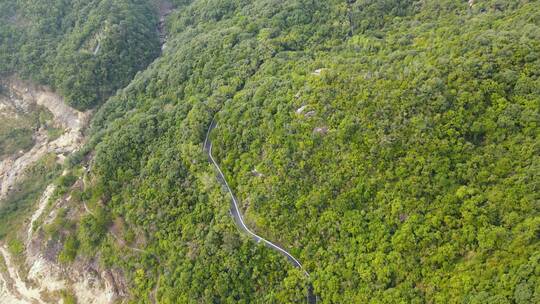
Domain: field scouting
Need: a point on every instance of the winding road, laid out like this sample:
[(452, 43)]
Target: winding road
[(237, 215)]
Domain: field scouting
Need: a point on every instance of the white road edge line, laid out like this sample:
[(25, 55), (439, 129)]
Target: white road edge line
[(238, 210)]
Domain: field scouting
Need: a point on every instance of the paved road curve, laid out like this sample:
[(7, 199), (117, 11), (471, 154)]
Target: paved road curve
[(235, 212)]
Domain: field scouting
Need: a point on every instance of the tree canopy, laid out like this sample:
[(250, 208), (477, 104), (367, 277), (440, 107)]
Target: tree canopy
[(392, 146), (86, 50)]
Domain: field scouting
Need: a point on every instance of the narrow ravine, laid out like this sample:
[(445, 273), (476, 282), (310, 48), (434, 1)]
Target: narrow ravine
[(238, 218)]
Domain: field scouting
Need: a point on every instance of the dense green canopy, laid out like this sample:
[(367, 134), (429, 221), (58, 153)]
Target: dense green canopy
[(391, 146), (85, 49), (396, 144)]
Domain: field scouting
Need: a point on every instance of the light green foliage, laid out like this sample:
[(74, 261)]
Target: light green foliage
[(15, 140), (410, 176), (92, 229), (69, 252), (16, 127), (16, 247), (68, 297), (60, 224)]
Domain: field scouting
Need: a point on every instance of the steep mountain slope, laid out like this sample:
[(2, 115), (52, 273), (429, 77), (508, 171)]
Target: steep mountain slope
[(391, 146), (84, 50), (29, 268), (397, 158)]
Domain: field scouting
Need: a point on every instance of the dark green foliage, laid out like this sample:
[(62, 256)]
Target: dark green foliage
[(86, 50), (410, 176), (66, 180)]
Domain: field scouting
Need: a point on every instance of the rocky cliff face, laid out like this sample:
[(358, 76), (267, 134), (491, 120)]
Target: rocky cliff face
[(20, 97), (36, 276)]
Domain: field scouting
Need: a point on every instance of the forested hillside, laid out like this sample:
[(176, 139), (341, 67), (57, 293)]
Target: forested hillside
[(391, 146), (86, 50)]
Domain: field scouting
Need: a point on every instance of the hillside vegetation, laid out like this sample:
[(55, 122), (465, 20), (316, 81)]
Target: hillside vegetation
[(410, 175), (391, 146), (86, 50)]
